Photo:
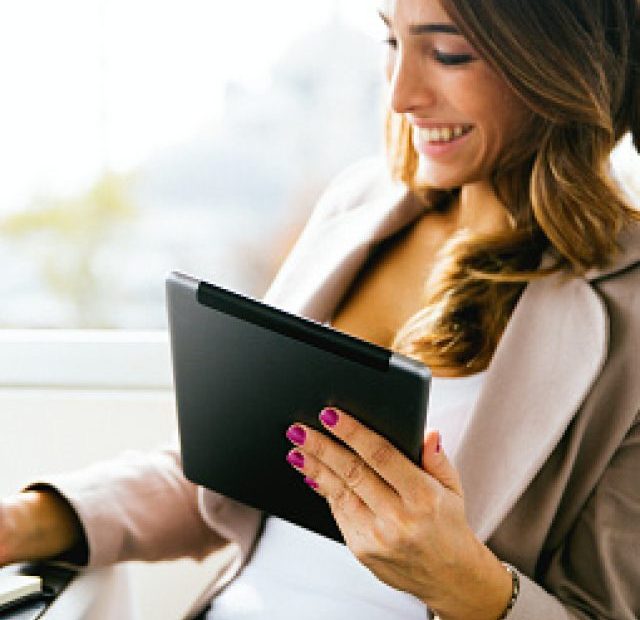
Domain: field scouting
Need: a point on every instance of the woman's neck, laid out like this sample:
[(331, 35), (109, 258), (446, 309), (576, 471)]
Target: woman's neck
[(478, 209)]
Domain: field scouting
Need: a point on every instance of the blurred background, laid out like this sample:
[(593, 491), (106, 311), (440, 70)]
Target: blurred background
[(139, 137)]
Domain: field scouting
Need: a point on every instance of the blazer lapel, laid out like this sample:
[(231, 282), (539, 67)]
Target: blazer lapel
[(548, 358), (332, 249)]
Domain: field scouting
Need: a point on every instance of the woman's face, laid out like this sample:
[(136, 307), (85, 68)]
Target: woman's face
[(462, 112)]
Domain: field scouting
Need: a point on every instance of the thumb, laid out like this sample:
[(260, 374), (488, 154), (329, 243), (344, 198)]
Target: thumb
[(436, 463)]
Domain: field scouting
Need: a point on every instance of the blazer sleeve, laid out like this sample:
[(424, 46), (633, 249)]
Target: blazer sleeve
[(140, 506), (595, 573)]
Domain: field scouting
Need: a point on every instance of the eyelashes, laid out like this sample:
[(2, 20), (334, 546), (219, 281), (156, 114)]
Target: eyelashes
[(448, 60), (452, 59)]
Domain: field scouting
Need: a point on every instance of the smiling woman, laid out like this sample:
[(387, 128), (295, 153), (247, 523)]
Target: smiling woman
[(455, 125), (500, 248)]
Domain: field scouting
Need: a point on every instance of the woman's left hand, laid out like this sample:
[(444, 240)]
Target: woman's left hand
[(406, 524)]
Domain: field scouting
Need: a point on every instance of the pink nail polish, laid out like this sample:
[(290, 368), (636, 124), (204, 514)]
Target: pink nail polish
[(329, 416), (311, 482), (296, 434), (296, 459)]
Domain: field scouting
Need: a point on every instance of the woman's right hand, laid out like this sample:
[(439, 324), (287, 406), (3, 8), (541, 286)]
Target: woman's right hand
[(35, 525)]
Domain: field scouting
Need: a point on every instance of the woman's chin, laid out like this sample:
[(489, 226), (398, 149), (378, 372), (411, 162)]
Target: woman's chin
[(439, 181), (444, 177)]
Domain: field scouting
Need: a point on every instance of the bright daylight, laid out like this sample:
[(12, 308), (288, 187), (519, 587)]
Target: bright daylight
[(319, 309), (140, 137)]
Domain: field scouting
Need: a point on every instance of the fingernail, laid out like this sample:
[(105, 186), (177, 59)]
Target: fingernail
[(296, 434), (329, 416), (311, 482), (295, 458), (439, 444)]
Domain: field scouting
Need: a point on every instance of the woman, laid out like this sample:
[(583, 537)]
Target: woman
[(503, 115)]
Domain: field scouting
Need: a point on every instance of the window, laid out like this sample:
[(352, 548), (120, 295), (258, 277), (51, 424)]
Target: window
[(141, 137)]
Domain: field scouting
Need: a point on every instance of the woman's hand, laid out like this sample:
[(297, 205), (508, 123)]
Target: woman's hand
[(405, 524), (36, 525)]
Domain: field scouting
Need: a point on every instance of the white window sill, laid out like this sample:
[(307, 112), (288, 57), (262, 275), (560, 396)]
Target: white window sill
[(85, 359)]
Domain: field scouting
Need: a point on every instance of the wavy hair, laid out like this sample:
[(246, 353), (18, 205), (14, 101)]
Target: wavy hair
[(576, 66)]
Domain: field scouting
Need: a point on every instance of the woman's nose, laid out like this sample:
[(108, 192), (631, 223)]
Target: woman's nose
[(410, 89)]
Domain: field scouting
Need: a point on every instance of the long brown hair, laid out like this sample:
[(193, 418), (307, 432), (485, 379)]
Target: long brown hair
[(576, 66)]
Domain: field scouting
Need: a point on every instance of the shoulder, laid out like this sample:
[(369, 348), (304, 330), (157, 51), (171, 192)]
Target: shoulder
[(618, 286), (627, 259), (619, 290), (358, 183)]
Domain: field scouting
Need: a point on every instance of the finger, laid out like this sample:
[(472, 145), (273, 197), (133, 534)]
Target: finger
[(382, 456), (348, 509), (436, 463), (320, 452)]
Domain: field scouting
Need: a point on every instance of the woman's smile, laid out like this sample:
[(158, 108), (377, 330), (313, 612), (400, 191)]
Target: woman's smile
[(440, 140), (462, 113)]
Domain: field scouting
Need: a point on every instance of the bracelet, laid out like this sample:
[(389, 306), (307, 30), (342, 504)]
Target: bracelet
[(515, 589)]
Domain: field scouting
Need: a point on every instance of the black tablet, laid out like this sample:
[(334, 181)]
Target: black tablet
[(245, 371)]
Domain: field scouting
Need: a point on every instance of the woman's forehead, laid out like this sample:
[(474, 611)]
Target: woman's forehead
[(413, 12)]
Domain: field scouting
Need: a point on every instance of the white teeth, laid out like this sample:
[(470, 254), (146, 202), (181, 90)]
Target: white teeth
[(440, 134)]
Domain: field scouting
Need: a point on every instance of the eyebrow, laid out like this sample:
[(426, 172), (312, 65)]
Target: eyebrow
[(424, 28)]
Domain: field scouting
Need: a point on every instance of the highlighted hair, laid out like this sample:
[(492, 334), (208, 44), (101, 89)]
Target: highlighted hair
[(576, 66)]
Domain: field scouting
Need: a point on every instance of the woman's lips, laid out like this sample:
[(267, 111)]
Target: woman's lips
[(438, 140)]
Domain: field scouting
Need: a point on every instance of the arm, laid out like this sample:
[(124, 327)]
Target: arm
[(36, 525), (134, 507)]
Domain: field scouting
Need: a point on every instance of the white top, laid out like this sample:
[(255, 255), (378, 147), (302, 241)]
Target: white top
[(295, 573)]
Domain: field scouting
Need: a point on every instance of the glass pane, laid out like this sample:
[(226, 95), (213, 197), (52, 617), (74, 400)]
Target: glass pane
[(140, 137)]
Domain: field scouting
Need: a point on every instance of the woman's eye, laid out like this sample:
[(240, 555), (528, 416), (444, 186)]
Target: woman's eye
[(452, 59)]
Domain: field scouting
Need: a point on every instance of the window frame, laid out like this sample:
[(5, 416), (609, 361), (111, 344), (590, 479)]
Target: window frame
[(85, 359)]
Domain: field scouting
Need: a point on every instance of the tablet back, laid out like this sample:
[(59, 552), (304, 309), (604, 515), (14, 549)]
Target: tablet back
[(245, 371)]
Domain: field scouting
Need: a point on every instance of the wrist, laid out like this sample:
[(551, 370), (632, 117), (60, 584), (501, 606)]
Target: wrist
[(36, 524), (500, 591), (486, 592)]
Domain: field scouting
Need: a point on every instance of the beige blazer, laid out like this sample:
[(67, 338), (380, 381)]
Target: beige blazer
[(550, 461)]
